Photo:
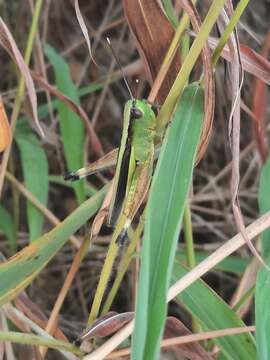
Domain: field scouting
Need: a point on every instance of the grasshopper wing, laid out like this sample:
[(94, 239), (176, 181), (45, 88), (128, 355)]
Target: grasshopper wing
[(121, 173)]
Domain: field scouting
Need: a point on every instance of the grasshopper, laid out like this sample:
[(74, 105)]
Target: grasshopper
[(134, 162)]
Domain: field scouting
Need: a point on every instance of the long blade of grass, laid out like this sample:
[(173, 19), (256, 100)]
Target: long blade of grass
[(36, 340), (21, 269), (163, 221), (8, 228), (71, 127), (262, 293), (35, 173), (213, 313)]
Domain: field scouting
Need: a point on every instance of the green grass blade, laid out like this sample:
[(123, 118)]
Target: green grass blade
[(71, 126), (213, 314), (164, 212), (262, 313), (7, 226), (37, 340), (262, 293), (169, 11), (35, 173), (21, 269), (264, 204)]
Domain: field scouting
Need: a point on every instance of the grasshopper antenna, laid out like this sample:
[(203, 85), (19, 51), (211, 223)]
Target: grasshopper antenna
[(120, 68)]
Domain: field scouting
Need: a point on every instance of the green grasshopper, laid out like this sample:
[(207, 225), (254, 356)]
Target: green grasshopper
[(134, 162)]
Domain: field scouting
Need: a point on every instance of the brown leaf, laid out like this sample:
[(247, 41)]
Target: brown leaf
[(106, 325), (34, 313), (194, 350), (153, 34), (5, 132), (259, 107), (9, 44), (252, 62)]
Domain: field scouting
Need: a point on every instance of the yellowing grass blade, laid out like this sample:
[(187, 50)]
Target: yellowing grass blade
[(21, 269)]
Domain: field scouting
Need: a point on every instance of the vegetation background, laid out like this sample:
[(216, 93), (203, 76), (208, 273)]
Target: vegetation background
[(60, 58)]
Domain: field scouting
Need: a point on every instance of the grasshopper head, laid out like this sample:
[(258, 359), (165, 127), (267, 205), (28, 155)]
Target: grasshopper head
[(140, 109)]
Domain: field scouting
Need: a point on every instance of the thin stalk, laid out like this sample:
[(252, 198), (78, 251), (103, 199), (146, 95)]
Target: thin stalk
[(53, 320), (36, 340), (123, 266), (106, 271), (229, 29), (168, 58), (187, 66), (103, 281), (28, 50)]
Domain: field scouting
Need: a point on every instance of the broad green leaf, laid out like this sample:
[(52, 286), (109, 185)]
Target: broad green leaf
[(35, 173), (164, 212), (214, 314), (7, 226), (262, 293), (19, 271), (71, 126)]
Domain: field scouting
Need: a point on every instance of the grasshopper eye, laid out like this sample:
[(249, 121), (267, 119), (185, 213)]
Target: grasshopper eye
[(135, 113)]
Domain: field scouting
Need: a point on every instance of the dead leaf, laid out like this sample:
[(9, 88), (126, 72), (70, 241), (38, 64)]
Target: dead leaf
[(106, 325), (252, 62), (192, 351), (153, 34), (259, 107), (5, 131), (9, 44), (34, 313)]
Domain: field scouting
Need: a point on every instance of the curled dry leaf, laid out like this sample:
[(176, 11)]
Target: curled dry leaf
[(252, 62), (5, 132), (9, 44), (106, 325), (194, 350), (153, 34)]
